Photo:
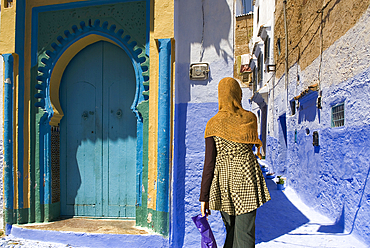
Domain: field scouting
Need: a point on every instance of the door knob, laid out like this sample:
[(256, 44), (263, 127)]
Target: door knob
[(119, 113), (85, 115)]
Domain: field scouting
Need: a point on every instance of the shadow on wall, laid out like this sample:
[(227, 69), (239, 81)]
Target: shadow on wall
[(178, 211), (216, 18), (190, 122), (277, 217), (308, 109), (203, 33)]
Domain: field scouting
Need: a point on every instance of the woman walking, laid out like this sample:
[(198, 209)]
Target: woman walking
[(232, 180)]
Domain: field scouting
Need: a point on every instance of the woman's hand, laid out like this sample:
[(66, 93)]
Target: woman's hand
[(204, 208)]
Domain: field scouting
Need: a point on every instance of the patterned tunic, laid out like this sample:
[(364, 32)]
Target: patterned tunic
[(238, 185)]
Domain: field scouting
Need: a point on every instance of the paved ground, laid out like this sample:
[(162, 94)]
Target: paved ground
[(283, 222), (296, 225), (107, 226), (17, 243)]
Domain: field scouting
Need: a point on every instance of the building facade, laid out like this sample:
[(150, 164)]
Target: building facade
[(262, 63), (101, 115), (106, 102), (77, 110)]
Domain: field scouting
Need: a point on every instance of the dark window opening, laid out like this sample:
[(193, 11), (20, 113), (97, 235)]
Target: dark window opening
[(278, 46), (283, 130), (260, 70), (246, 6), (292, 107), (8, 3), (255, 73), (267, 48)]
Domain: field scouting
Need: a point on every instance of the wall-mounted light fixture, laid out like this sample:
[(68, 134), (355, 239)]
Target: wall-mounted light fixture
[(315, 138), (292, 106), (319, 103), (199, 71), (271, 68)]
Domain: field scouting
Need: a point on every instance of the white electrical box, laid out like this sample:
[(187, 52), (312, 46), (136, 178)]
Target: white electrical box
[(199, 71)]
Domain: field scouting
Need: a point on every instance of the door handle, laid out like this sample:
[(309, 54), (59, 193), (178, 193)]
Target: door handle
[(85, 114), (119, 114)]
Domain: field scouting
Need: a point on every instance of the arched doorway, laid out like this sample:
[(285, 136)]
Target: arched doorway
[(98, 134)]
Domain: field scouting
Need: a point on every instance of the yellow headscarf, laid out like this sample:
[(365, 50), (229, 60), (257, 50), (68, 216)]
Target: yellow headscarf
[(232, 122)]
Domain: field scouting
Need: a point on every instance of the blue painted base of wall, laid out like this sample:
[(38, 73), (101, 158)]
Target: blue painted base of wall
[(190, 123), (89, 239), (333, 178)]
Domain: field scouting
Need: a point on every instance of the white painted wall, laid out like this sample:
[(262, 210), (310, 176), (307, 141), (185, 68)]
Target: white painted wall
[(203, 35), (263, 16), (204, 32)]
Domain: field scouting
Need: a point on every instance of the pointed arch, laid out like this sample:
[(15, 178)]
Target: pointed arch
[(65, 48), (50, 72)]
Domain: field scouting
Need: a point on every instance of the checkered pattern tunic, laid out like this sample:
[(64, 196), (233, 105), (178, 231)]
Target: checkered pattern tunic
[(238, 185)]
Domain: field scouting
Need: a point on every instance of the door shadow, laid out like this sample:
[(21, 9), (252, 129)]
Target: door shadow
[(278, 216)]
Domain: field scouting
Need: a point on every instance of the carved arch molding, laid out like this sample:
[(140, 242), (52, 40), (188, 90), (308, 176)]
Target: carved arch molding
[(54, 61)]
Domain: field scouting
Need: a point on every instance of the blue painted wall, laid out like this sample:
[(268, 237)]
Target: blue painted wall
[(210, 40), (190, 122), (332, 178)]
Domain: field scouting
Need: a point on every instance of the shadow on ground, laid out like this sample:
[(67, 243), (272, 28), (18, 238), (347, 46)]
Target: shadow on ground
[(277, 217), (337, 227)]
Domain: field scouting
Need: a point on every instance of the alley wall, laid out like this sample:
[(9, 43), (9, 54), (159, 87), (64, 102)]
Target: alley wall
[(331, 177), (243, 34), (203, 33)]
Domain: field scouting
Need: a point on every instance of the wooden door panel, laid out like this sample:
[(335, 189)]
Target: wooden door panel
[(119, 84), (99, 137), (81, 166)]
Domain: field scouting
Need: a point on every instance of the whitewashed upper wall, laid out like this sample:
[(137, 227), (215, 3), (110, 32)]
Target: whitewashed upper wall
[(203, 35), (266, 14)]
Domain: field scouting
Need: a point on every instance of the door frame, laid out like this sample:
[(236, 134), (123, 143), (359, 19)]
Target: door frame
[(124, 94), (50, 73)]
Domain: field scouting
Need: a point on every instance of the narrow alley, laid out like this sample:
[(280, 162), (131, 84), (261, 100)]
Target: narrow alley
[(284, 222)]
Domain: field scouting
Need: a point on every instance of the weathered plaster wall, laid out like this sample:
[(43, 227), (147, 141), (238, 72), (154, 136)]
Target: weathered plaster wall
[(304, 19), (243, 34), (332, 178), (7, 41)]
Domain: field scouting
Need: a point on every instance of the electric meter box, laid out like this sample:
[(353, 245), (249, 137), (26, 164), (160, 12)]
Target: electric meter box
[(199, 71)]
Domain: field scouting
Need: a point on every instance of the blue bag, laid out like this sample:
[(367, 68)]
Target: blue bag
[(208, 240)]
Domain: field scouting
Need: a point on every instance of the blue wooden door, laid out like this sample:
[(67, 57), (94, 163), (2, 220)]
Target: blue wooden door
[(98, 134)]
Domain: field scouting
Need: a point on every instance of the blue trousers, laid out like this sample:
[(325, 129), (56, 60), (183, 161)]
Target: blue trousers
[(240, 229)]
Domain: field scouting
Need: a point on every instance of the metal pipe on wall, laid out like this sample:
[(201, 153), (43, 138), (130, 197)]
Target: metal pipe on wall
[(286, 54), (164, 127), (8, 140)]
